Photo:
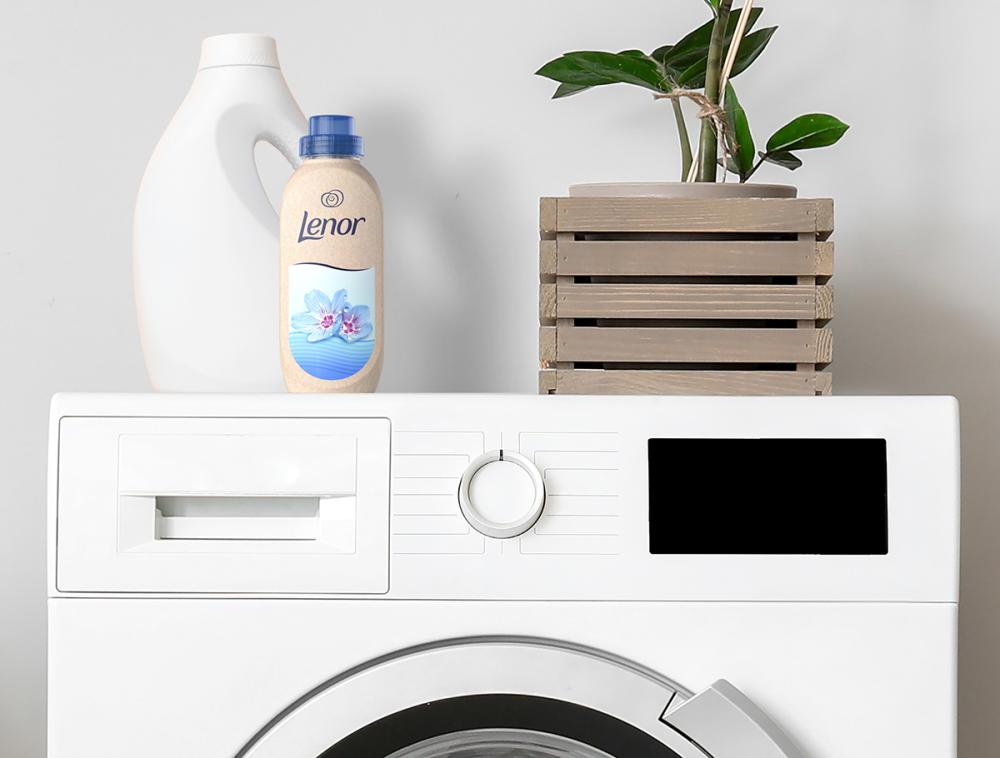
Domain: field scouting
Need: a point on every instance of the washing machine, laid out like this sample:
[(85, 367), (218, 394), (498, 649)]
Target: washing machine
[(431, 576)]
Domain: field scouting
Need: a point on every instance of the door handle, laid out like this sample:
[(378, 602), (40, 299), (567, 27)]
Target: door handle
[(725, 723)]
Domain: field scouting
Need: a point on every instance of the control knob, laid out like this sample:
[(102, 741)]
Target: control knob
[(501, 494)]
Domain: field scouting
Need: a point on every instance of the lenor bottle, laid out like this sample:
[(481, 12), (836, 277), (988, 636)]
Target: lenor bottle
[(331, 265)]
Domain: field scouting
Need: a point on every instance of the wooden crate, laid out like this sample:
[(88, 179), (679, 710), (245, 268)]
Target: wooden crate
[(685, 296)]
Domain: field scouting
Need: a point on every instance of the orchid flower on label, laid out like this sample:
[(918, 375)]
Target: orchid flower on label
[(323, 318), (355, 323)]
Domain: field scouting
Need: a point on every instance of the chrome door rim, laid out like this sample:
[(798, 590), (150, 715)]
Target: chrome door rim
[(536, 667)]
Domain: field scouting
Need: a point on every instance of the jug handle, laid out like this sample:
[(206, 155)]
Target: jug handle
[(285, 140), (283, 135)]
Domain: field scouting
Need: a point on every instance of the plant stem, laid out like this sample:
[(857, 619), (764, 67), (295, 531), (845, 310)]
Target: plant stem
[(709, 152), (685, 140), (753, 169)]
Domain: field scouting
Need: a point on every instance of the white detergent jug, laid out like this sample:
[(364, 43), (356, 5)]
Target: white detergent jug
[(206, 236)]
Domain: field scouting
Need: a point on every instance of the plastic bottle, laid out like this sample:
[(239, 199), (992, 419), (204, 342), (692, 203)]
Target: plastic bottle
[(205, 234), (331, 265)]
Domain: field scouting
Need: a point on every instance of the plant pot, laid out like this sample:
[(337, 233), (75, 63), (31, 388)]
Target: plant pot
[(685, 288), (695, 190)]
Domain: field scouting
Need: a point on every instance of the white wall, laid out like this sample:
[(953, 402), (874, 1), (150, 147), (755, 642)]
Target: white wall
[(463, 140)]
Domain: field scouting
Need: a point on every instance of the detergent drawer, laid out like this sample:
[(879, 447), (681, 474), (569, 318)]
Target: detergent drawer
[(211, 505)]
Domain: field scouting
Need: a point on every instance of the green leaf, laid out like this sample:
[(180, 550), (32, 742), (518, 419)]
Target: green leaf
[(729, 164), (589, 68), (660, 53), (805, 132), (714, 5), (565, 90), (783, 158), (568, 70), (694, 45), (751, 47), (741, 140)]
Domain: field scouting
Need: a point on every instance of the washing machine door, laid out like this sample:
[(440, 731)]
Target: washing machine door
[(516, 698)]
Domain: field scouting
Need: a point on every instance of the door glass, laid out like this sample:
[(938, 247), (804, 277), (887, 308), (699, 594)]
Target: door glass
[(499, 726), (500, 743)]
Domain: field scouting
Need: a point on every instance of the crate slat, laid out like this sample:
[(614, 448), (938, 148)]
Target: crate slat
[(687, 258), (655, 382), (547, 260), (697, 301), (547, 212), (824, 301), (547, 303), (547, 344), (654, 214), (824, 217), (692, 345)]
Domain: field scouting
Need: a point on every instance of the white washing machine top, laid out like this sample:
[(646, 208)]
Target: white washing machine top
[(459, 575)]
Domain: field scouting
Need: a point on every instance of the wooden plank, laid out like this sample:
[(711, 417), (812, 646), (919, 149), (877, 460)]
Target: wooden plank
[(692, 345), (693, 258), (824, 343), (824, 217), (824, 301), (547, 344), (547, 259), (824, 383), (561, 322), (655, 214), (546, 381), (704, 301), (824, 259), (600, 382), (547, 302), (808, 281), (547, 214)]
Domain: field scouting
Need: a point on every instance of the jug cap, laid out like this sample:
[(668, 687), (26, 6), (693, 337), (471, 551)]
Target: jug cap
[(238, 50), (331, 135)]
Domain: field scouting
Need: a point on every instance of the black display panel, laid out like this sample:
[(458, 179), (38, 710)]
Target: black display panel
[(768, 497)]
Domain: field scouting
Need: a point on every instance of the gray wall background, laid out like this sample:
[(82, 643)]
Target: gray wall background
[(463, 141)]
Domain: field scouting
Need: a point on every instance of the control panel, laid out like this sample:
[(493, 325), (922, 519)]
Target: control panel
[(494, 497), (544, 493)]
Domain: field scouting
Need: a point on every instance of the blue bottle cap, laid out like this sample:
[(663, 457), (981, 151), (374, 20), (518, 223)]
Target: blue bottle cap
[(331, 135)]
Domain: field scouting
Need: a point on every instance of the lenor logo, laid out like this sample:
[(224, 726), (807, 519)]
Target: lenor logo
[(315, 228), (332, 199)]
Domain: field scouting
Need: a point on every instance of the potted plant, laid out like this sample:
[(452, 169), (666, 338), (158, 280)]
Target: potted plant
[(700, 68), (699, 286)]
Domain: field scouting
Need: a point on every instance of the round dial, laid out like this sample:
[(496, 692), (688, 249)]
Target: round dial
[(501, 494)]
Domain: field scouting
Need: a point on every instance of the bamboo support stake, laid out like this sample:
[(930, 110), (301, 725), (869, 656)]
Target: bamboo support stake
[(741, 27), (734, 48), (694, 165), (727, 68)]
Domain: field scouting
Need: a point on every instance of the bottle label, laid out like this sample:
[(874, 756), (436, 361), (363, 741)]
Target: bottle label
[(331, 324)]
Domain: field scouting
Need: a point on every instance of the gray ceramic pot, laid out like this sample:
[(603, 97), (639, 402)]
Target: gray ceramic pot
[(704, 190)]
